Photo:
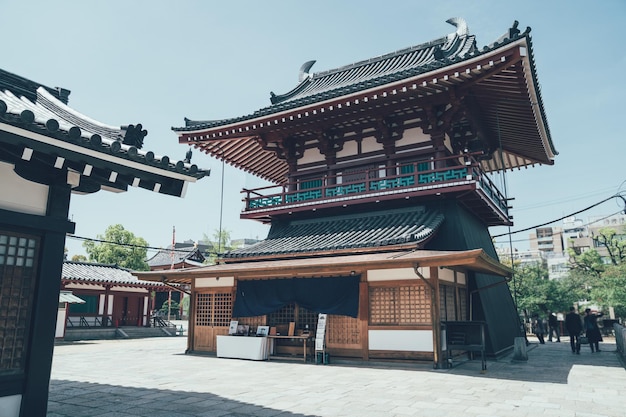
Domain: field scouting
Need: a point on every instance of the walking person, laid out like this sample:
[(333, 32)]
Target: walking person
[(592, 331), (553, 327), (539, 328), (574, 327)]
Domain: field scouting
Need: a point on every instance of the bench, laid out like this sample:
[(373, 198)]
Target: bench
[(466, 336)]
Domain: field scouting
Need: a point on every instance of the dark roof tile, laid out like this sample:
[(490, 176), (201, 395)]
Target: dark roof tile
[(376, 229)]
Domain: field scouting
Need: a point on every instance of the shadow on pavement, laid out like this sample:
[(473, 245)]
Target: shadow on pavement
[(73, 399), (552, 362)]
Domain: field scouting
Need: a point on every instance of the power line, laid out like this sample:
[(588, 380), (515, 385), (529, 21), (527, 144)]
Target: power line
[(562, 232), (130, 245), (619, 195)]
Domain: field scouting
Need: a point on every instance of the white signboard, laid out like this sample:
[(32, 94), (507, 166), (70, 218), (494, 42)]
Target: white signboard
[(320, 334)]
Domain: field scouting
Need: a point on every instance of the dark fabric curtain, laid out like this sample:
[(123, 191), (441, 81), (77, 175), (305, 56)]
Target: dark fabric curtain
[(323, 295), (495, 305)]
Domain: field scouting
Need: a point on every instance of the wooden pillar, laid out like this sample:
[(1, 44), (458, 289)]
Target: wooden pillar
[(364, 309), (191, 324), (436, 317)]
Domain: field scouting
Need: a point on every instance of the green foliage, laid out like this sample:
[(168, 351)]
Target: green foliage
[(221, 243), (536, 294), (79, 258), (610, 289), (164, 307), (614, 244), (588, 262), (119, 247), (172, 312)]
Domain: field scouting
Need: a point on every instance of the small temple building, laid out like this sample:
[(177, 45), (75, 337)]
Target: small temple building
[(383, 187), (49, 152)]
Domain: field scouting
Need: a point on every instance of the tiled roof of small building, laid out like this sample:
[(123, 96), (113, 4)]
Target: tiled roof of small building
[(374, 229), (101, 273), (168, 256)]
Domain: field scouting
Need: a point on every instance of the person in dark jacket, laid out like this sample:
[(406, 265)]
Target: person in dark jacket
[(553, 327), (574, 327), (592, 331), (539, 328)]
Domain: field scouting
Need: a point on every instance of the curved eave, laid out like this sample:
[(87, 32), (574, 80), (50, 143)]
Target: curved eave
[(514, 113), (472, 260)]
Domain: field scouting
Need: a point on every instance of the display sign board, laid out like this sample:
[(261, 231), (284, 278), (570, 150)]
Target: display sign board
[(320, 334)]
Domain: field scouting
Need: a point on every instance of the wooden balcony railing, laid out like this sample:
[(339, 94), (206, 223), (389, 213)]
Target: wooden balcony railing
[(420, 176)]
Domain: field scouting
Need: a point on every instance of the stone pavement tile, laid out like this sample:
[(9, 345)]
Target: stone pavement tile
[(208, 386)]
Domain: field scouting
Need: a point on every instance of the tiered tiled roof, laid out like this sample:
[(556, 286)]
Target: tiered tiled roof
[(370, 230), (190, 255)]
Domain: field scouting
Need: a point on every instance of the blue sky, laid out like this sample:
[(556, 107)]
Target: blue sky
[(156, 62)]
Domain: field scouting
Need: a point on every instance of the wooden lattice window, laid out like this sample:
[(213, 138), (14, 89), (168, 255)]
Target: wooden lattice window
[(285, 315), (399, 306), (447, 303), (294, 313), (17, 284), (307, 319), (214, 309), (343, 330), (462, 303)]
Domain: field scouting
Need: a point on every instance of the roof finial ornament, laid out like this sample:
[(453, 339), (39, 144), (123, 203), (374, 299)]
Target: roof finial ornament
[(460, 24), (514, 31), (304, 70)]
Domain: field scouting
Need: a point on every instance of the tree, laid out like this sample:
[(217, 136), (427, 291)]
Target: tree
[(221, 243), (79, 258), (588, 262), (616, 247), (610, 289), (119, 246), (535, 293)]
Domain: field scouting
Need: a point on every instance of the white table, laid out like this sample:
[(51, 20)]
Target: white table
[(242, 347)]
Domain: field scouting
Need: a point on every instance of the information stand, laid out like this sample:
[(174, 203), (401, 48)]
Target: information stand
[(320, 340)]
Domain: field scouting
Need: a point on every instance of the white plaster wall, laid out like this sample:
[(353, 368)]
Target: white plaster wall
[(413, 136), (145, 310), (215, 282), (401, 340), (10, 406), (18, 194), (349, 148), (460, 277), (394, 274), (446, 274), (60, 330), (110, 305), (311, 155), (369, 144), (101, 304)]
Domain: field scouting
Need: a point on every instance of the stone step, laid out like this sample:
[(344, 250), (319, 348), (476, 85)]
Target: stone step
[(140, 332)]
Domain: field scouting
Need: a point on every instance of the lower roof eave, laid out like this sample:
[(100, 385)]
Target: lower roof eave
[(476, 260)]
